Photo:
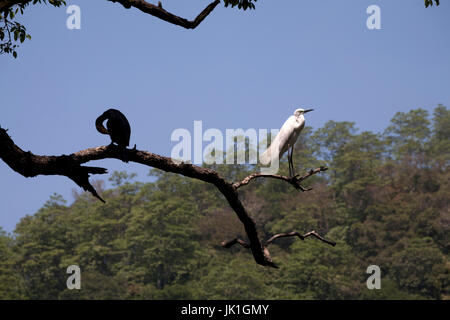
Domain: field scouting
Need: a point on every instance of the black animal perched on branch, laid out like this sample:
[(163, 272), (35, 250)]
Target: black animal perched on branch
[(117, 127)]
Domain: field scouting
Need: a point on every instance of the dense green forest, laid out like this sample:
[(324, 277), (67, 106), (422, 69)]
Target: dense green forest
[(384, 200)]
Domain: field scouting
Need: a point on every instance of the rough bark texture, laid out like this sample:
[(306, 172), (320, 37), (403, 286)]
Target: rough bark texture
[(71, 166)]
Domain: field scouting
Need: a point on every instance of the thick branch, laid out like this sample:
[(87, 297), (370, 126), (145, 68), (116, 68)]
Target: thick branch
[(30, 165), (144, 6), (162, 14)]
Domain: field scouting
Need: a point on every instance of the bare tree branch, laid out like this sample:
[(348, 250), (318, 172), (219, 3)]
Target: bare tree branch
[(302, 237), (30, 165), (144, 6), (162, 14), (229, 244), (294, 181)]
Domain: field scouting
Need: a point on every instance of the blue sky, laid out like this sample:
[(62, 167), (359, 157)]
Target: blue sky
[(236, 70)]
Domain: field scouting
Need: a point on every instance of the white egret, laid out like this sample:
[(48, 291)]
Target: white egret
[(285, 139)]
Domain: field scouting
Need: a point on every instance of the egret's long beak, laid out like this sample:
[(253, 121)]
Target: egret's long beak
[(308, 110)]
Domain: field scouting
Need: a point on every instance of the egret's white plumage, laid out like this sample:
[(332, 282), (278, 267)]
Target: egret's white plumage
[(286, 138)]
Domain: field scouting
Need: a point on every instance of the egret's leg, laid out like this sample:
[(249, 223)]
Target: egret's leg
[(289, 159), (292, 160), (291, 164)]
